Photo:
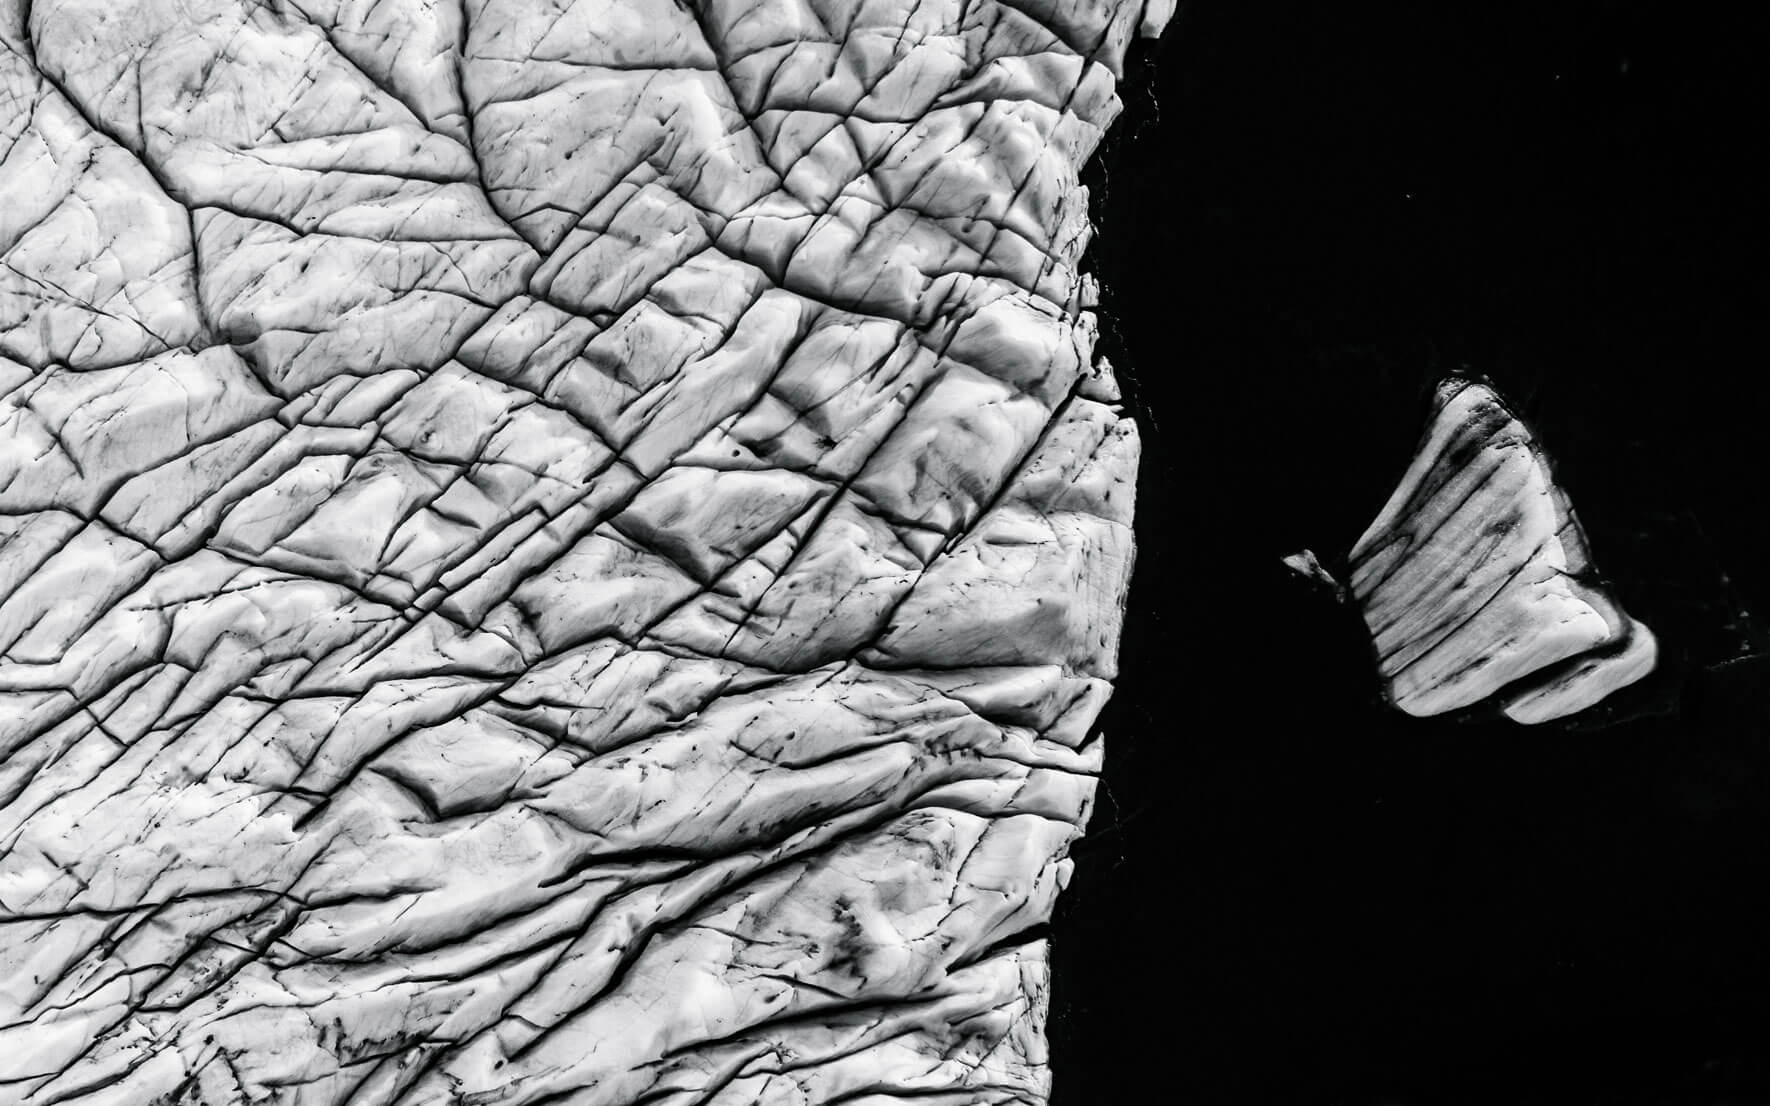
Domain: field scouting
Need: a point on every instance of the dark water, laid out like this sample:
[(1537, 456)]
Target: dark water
[(1309, 214)]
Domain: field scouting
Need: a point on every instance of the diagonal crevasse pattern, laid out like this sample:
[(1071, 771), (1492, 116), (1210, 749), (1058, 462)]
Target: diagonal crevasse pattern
[(551, 551)]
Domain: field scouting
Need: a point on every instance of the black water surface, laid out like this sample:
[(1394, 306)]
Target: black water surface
[(1310, 213)]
